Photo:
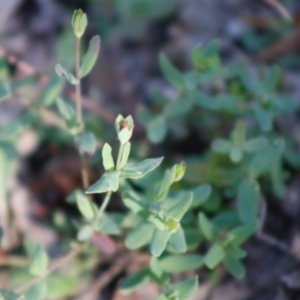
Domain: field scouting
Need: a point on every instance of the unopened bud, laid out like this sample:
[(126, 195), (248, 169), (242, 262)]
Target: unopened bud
[(79, 22), (179, 171)]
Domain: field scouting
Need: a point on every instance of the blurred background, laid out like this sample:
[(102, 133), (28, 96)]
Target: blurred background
[(37, 34)]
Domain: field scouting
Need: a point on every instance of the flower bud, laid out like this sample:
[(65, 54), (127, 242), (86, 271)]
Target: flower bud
[(79, 22), (179, 171), (124, 128)]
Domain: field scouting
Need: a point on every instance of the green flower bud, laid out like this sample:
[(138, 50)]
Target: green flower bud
[(124, 128), (172, 225), (79, 22), (179, 171)]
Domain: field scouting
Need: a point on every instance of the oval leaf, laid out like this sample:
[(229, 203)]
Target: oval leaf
[(61, 72), (140, 169), (40, 261), (90, 57), (139, 236), (177, 241), (85, 206), (159, 241), (135, 280), (214, 256), (181, 263), (108, 161), (86, 142), (248, 200), (108, 182)]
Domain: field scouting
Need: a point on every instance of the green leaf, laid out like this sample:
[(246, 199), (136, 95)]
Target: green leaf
[(240, 234), (181, 206), (159, 241), (107, 225), (9, 295), (214, 256), (37, 292), (108, 161), (221, 146), (85, 206), (272, 79), (212, 48), (178, 107), (125, 155), (4, 90), (140, 169), (108, 182), (61, 72), (90, 57), (252, 83), (236, 154), (61, 286), (187, 288), (248, 195), (158, 274), (205, 101), (40, 261), (160, 190), (209, 230), (200, 194), (177, 241), (14, 128), (190, 82), (234, 267), (85, 233), (193, 238), (52, 91), (181, 263), (264, 118), (197, 57), (235, 252), (68, 114), (238, 135), (172, 74), (227, 220), (255, 144), (263, 161), (86, 142), (139, 236), (135, 280), (157, 129)]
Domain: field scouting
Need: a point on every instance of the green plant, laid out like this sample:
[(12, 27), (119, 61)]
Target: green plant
[(210, 203)]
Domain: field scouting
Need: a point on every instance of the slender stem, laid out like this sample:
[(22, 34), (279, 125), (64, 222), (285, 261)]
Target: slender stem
[(56, 265), (104, 204), (120, 154), (78, 88), (79, 120)]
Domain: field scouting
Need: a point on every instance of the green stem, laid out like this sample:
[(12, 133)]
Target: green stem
[(78, 89), (120, 154), (79, 120), (104, 204)]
